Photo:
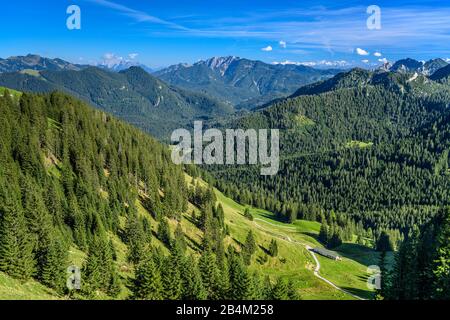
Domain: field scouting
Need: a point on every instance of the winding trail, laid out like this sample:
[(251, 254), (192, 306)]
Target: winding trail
[(307, 247)]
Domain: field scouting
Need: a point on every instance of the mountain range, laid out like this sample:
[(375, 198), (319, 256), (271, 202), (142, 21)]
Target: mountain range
[(424, 67), (241, 82), (131, 94), (210, 89)]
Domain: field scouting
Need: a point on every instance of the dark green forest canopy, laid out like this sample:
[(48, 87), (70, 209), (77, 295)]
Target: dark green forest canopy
[(421, 269), (374, 145)]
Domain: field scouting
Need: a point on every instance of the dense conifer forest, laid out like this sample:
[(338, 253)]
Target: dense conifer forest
[(71, 176), (421, 269), (363, 150)]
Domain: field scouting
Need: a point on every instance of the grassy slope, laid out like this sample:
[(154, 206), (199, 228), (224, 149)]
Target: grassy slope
[(293, 261), (13, 93), (350, 273), (12, 289)]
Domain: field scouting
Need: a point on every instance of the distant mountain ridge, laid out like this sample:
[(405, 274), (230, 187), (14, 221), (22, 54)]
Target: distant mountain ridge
[(242, 82), (36, 62), (423, 67), (133, 95), (39, 63)]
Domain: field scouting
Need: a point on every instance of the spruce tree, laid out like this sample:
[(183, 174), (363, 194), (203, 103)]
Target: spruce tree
[(241, 282), (147, 284), (384, 242), (16, 246), (323, 234), (247, 214), (292, 292), (250, 247), (172, 274), (54, 265), (179, 238), (192, 288), (273, 248), (280, 290), (164, 231), (135, 237), (210, 274), (441, 265)]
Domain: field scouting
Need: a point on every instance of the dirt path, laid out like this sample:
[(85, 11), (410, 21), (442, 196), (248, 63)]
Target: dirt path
[(289, 239)]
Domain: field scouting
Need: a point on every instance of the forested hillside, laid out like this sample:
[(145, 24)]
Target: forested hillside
[(132, 95), (370, 146), (78, 187), (421, 268)]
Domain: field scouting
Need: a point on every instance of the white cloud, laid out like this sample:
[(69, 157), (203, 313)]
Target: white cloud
[(383, 60), (282, 44), (447, 60), (286, 62), (377, 54), (362, 52), (321, 63), (268, 48), (111, 59), (365, 61), (133, 56)]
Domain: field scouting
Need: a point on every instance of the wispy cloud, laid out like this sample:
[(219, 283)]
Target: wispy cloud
[(138, 16), (321, 63), (268, 48), (407, 28), (282, 44), (377, 54)]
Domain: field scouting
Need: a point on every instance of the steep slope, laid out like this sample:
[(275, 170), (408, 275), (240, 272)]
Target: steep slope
[(69, 178), (441, 75), (133, 95), (241, 82)]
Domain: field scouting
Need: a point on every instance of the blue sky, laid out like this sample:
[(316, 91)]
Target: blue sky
[(163, 32)]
